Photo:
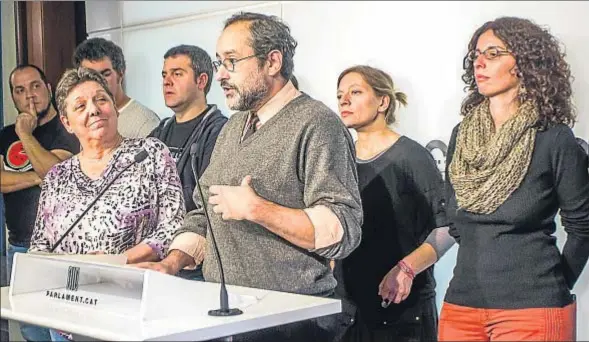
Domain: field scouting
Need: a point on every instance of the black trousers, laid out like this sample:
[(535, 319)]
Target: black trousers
[(421, 326), (321, 329)]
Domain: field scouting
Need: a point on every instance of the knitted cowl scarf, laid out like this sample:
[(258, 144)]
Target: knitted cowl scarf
[(488, 166)]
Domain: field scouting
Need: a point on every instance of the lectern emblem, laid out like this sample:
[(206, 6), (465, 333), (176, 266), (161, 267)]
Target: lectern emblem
[(73, 277)]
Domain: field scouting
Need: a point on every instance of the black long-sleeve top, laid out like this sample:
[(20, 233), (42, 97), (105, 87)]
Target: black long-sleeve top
[(509, 259), (402, 195)]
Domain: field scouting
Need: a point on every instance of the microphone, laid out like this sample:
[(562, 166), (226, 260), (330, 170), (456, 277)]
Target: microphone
[(224, 310), (138, 158)]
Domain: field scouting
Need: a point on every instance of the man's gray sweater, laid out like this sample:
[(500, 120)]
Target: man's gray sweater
[(301, 157)]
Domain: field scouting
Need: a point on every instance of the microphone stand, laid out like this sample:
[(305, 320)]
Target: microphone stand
[(224, 310), (138, 158)]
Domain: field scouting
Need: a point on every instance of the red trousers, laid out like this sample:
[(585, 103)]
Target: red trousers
[(461, 323)]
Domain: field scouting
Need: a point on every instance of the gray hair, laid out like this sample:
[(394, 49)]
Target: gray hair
[(72, 78), (95, 49), (199, 58), (268, 33)]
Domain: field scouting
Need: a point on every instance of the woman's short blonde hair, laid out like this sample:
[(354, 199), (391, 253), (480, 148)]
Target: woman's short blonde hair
[(71, 78)]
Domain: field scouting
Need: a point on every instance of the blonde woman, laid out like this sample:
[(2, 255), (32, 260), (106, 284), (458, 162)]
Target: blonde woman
[(387, 283)]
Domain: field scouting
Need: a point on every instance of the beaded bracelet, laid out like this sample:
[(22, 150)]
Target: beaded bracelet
[(405, 268)]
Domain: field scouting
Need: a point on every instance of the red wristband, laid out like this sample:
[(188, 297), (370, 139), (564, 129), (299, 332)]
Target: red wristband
[(405, 268)]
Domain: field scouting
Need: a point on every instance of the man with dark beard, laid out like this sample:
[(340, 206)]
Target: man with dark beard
[(281, 184), (28, 150)]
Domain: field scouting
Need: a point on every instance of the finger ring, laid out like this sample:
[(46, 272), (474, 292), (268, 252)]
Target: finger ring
[(385, 303)]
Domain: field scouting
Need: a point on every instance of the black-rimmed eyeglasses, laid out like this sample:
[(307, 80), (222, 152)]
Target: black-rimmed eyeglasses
[(229, 63), (489, 53)]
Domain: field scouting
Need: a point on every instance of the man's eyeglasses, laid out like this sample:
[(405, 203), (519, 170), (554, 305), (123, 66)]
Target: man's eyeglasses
[(490, 53), (229, 63)]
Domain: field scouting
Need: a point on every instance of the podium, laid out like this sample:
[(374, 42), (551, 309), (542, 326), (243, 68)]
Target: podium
[(96, 298)]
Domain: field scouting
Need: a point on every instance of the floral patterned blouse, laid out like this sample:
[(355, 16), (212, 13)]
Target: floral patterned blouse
[(144, 205)]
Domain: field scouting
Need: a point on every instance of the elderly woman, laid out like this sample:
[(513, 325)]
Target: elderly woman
[(513, 163), (143, 207), (137, 215)]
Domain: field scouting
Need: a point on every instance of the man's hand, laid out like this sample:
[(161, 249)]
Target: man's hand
[(234, 202), (11, 181), (26, 122), (395, 286), (172, 264)]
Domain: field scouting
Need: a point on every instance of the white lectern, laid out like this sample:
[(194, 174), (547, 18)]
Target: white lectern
[(104, 301)]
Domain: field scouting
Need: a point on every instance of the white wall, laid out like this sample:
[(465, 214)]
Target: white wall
[(421, 44)]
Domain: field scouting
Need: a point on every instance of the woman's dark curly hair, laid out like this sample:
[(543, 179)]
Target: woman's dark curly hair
[(542, 68)]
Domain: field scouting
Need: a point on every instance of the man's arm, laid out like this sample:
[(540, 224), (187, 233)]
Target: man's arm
[(330, 223), (140, 252), (187, 250), (243, 203), (327, 168), (172, 264), (188, 246), (292, 225), (41, 159), (14, 181)]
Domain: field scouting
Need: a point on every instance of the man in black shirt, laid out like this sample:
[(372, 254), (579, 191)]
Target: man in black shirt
[(187, 75), (28, 150)]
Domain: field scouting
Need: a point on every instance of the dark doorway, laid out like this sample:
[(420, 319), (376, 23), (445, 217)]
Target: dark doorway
[(47, 33)]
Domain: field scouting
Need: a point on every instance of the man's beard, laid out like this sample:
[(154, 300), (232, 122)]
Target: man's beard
[(43, 113), (251, 97)]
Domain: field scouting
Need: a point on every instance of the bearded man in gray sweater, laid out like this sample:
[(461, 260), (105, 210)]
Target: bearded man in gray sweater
[(281, 186)]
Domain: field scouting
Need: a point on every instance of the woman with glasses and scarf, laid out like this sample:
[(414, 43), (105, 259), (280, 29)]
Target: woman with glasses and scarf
[(513, 163)]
